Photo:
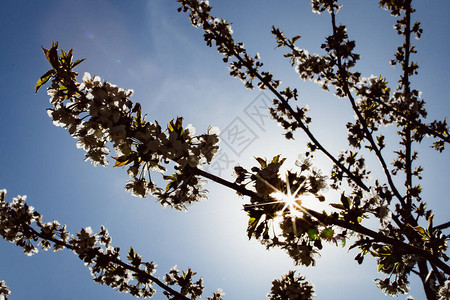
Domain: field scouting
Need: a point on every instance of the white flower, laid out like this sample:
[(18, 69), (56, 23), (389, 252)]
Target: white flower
[(86, 77), (138, 187), (133, 171), (385, 215), (2, 194), (52, 92), (89, 96), (190, 129), (4, 289), (444, 291), (62, 117), (87, 142), (97, 156), (97, 80), (129, 92), (110, 87), (213, 130)]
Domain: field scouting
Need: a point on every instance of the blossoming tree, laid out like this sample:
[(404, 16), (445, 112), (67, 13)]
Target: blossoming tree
[(101, 116)]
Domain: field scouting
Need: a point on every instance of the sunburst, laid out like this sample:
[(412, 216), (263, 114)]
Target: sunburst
[(292, 201)]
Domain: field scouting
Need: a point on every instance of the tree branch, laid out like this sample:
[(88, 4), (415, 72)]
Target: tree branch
[(443, 226), (368, 135), (406, 93), (414, 122), (407, 249), (302, 125), (113, 260)]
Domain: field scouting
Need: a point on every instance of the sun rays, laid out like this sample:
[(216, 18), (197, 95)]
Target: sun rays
[(292, 201)]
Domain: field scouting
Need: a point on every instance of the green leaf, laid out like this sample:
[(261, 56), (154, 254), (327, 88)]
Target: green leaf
[(327, 233), (124, 159), (121, 164), (345, 201), (420, 230), (44, 78), (313, 233), (179, 123), (275, 159), (337, 205), (77, 62), (168, 177), (359, 258), (188, 275), (295, 38), (176, 126), (52, 55), (172, 184), (430, 224), (66, 58), (131, 254), (139, 121), (174, 181), (261, 161), (134, 258), (252, 223), (63, 56)]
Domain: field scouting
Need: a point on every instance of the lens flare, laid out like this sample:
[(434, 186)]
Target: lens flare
[(292, 201)]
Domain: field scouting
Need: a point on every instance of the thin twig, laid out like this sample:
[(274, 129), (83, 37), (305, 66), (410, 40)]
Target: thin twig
[(113, 260), (406, 248)]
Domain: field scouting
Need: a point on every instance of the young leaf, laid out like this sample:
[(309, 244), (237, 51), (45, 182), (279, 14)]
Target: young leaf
[(430, 223), (345, 201), (77, 62), (420, 230), (295, 38), (261, 161), (44, 78), (275, 159), (337, 205), (122, 160), (52, 55)]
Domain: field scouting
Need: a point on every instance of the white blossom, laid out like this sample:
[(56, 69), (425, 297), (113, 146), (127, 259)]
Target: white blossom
[(86, 77)]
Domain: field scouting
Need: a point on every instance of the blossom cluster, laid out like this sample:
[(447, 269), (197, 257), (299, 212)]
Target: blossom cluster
[(277, 215), (319, 6), (183, 279), (218, 31), (22, 225), (4, 290), (291, 287), (98, 114), (392, 288), (444, 291)]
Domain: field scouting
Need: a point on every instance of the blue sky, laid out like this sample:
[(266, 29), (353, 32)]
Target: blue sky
[(149, 47)]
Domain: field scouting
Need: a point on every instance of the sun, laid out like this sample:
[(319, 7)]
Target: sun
[(292, 200)]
